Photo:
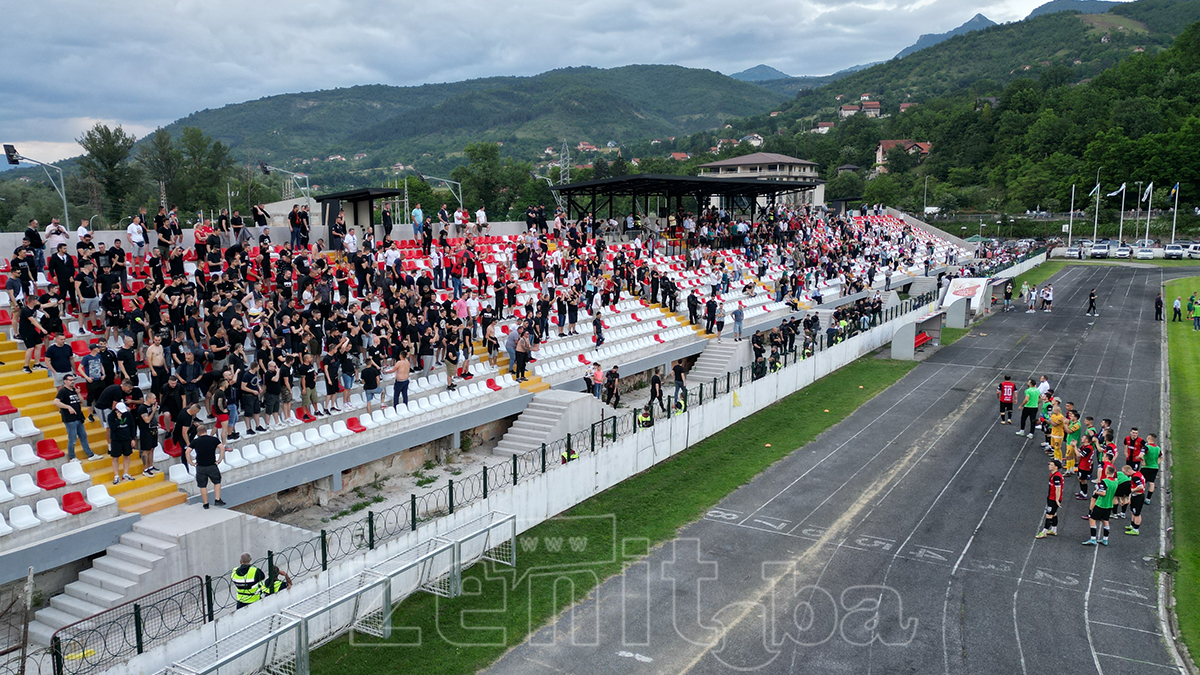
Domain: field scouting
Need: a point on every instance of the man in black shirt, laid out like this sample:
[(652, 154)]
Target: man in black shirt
[(121, 430), (146, 419), (184, 427), (70, 406), (87, 290), (30, 330), (209, 453)]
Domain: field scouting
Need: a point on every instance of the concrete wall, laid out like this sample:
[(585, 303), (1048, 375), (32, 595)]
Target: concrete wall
[(544, 496), (914, 222), (1022, 267)]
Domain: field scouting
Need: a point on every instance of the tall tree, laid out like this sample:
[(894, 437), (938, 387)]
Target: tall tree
[(163, 162), (107, 160), (207, 165)]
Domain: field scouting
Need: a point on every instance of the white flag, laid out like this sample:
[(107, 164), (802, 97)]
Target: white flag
[(1117, 191), (1095, 190), (1148, 192)]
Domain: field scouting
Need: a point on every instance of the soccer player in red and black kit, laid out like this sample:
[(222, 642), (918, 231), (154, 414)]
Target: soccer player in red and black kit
[(1053, 500), (1087, 452), (1135, 447), (1137, 499), (1006, 391)]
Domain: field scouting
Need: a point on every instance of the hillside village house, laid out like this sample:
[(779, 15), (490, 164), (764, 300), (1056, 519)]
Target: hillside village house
[(871, 108), (821, 128), (773, 166), (913, 147), (848, 110)]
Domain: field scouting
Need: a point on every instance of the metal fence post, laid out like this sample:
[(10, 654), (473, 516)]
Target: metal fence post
[(324, 551), (413, 509), (544, 456), (593, 436), (514, 463), (728, 381), (485, 482), (371, 530), (137, 627), (714, 387), (614, 433), (452, 495), (56, 654), (270, 565), (700, 397), (208, 596)]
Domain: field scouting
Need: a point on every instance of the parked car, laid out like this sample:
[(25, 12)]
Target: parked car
[(1074, 252), (1123, 252), (1099, 251), (1193, 251), (1144, 253), (1144, 243), (1173, 252)]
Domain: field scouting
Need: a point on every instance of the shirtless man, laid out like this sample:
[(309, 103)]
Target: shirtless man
[(156, 359), (400, 388)]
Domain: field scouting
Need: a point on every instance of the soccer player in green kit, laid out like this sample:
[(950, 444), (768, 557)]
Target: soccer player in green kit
[(1106, 489), (1150, 466), (1121, 500)]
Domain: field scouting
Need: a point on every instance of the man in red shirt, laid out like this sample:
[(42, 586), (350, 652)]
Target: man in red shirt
[(1006, 391), (1053, 500), (1135, 447), (1087, 452)]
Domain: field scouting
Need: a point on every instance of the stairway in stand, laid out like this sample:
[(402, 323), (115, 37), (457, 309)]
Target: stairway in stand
[(32, 394)]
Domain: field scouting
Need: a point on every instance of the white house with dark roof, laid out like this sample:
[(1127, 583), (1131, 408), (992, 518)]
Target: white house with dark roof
[(773, 166)]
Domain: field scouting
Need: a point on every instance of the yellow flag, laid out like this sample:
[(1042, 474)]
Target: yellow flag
[(737, 400)]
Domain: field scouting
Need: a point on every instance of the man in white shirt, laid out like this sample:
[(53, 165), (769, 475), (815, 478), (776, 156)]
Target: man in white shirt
[(55, 234), (350, 242), (83, 229), (481, 221), (460, 220)]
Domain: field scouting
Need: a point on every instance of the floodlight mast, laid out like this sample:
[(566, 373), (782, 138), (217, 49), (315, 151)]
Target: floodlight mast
[(14, 158), (553, 190), (455, 186), (267, 169)]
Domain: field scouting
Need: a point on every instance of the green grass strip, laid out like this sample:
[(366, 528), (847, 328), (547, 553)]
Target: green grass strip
[(1183, 352), (952, 335), (650, 507)]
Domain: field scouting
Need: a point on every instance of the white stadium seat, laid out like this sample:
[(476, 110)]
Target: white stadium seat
[(98, 496)]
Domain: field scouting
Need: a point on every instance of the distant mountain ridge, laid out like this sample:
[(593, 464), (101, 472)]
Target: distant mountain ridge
[(760, 73), (977, 22), (1081, 6)]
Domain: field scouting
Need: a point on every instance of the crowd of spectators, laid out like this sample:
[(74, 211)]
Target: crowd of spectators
[(234, 325)]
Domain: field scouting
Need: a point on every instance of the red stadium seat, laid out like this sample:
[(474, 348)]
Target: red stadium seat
[(491, 384), (48, 449), (48, 479), (354, 425), (6, 406), (171, 449), (5, 318), (303, 415), (73, 503)]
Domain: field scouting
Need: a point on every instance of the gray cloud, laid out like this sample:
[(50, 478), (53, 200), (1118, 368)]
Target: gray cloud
[(144, 63)]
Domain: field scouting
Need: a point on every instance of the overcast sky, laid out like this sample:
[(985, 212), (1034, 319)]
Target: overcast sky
[(142, 64)]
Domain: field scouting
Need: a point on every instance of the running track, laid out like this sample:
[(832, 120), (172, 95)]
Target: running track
[(901, 541)]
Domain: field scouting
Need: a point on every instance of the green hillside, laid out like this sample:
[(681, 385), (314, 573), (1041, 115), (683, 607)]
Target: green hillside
[(1063, 46), (402, 124)]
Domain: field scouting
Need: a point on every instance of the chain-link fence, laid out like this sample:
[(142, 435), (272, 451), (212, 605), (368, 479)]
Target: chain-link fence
[(122, 632)]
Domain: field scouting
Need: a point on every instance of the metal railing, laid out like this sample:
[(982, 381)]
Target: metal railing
[(117, 634)]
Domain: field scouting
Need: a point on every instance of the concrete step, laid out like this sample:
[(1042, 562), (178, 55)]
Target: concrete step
[(107, 581), (540, 417), (56, 618), (532, 426), (146, 542), (93, 594), (73, 605), (120, 568), (132, 555), (165, 501), (40, 633)]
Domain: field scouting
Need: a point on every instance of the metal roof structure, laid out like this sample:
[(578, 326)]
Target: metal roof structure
[(586, 196), (361, 201), (757, 158)]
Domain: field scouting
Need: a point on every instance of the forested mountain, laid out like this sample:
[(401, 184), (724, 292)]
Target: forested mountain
[(401, 124), (1081, 6), (977, 22), (760, 73)]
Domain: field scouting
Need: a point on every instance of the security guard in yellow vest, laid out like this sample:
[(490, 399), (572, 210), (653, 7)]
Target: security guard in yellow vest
[(247, 582), (681, 406), (568, 456), (644, 419), (277, 585)]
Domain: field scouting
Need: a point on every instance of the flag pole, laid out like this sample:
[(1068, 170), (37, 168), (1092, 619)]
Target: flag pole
[(1121, 227), (1149, 206), (1096, 220), (1175, 218), (1071, 216)]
